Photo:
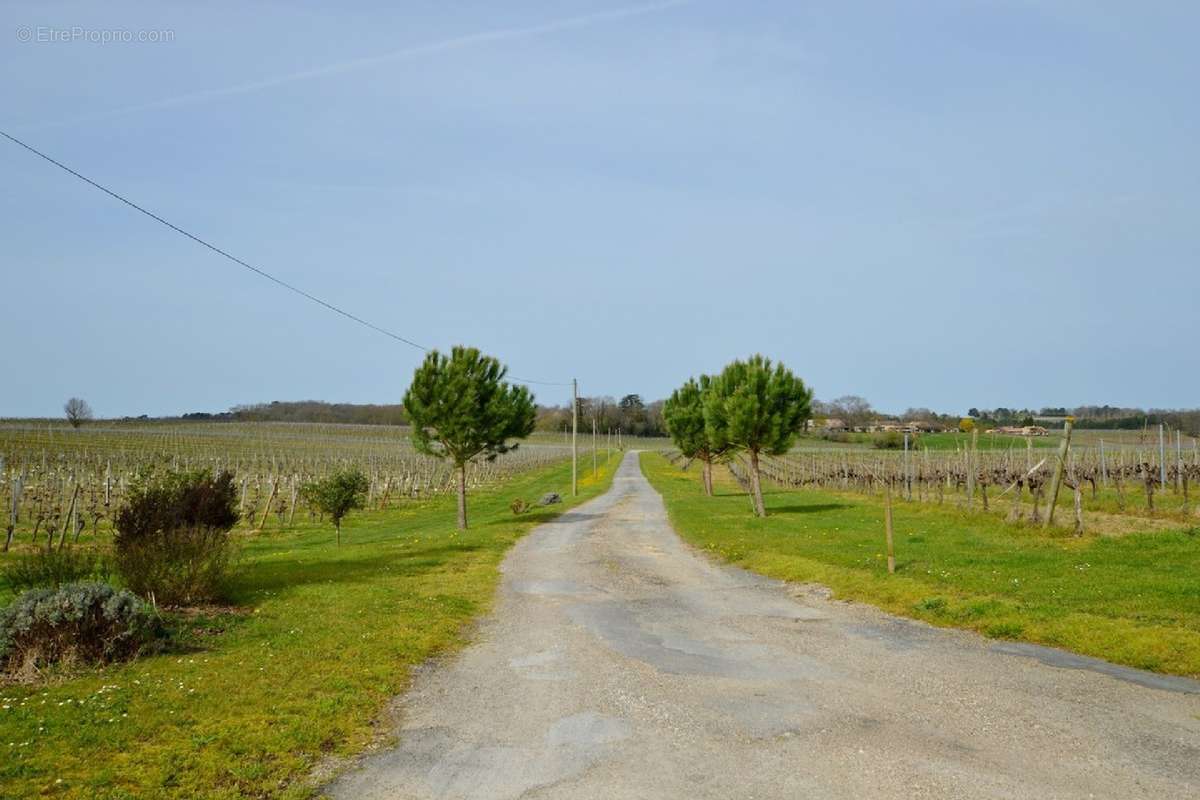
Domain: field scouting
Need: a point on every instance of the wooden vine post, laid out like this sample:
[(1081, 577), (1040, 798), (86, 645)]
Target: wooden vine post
[(1060, 462), (887, 524), (972, 458), (267, 508)]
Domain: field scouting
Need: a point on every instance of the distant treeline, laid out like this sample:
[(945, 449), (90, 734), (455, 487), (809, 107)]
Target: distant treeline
[(1186, 420), (630, 415), (637, 418), (1099, 417), (310, 411)]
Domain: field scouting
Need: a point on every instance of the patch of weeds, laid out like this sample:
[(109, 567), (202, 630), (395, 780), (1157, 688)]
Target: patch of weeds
[(935, 605), (1004, 630), (979, 608)]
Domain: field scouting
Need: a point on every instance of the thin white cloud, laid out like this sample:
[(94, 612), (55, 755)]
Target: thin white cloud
[(414, 51)]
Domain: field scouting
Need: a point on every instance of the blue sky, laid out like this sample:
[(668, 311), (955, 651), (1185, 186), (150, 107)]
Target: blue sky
[(944, 204)]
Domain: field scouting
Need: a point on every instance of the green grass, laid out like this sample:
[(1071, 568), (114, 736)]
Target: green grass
[(1131, 599), (325, 637), (987, 441)]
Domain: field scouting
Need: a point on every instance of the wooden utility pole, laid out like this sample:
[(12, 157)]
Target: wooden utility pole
[(574, 437), (593, 447), (1060, 462)]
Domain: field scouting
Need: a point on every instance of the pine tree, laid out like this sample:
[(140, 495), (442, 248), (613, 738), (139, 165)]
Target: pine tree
[(462, 409), (683, 413), (756, 407)]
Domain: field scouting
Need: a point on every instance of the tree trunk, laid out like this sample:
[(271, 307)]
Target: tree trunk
[(337, 526), (708, 477), (462, 497), (756, 485)]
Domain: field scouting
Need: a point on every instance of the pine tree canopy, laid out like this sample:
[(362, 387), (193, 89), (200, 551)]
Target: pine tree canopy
[(461, 408), (756, 405)]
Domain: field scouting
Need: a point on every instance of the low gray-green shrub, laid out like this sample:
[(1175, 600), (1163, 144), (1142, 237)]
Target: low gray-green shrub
[(85, 622)]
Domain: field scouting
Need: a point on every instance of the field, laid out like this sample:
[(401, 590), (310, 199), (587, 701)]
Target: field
[(1109, 478), (1128, 598), (295, 671), (922, 441), (70, 482)]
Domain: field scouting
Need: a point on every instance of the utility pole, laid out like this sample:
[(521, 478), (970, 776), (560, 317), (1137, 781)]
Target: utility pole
[(593, 447), (574, 437)]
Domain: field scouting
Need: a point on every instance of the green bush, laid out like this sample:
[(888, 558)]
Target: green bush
[(891, 440), (53, 568), (172, 540), (75, 623)]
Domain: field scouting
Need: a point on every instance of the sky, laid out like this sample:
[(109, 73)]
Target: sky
[(945, 204)]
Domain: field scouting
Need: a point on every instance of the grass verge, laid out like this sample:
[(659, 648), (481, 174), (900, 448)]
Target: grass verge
[(1132, 600), (321, 639)]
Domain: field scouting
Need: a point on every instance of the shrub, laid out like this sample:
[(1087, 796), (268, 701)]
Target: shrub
[(53, 568), (77, 622), (172, 539), (891, 440)]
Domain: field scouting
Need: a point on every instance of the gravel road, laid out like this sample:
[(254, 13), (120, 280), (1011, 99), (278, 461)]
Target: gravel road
[(619, 663)]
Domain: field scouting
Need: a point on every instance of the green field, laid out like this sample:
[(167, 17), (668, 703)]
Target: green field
[(987, 441), (1130, 599), (317, 641)]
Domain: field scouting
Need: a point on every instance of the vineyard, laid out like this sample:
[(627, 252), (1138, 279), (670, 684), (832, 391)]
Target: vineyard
[(1128, 475), (58, 483)]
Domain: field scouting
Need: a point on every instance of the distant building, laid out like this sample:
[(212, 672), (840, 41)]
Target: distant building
[(1023, 430)]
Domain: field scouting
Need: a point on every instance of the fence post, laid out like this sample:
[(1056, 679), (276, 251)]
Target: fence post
[(1162, 458), (1060, 462), (887, 522)]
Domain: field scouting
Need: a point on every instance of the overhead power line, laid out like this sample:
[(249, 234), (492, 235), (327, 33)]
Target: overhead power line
[(261, 272)]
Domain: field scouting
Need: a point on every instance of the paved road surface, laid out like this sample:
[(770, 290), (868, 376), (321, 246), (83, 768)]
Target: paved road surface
[(620, 664)]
